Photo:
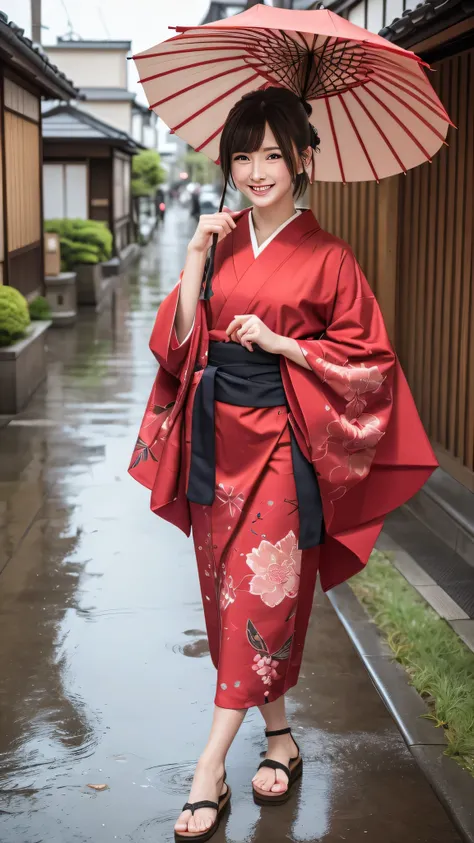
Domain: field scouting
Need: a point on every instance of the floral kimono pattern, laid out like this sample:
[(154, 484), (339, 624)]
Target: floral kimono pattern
[(351, 413)]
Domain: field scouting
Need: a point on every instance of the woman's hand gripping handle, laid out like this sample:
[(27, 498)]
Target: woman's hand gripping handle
[(209, 224)]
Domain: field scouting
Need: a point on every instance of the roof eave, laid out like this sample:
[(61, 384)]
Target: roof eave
[(116, 143), (426, 20), (26, 60), (119, 138)]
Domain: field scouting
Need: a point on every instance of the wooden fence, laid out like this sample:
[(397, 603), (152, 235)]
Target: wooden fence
[(435, 306), (413, 236)]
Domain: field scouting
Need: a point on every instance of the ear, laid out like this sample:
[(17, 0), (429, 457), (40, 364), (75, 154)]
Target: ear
[(305, 159)]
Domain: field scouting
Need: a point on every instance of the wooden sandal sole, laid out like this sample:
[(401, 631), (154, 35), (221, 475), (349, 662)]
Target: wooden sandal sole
[(202, 836), (263, 797)]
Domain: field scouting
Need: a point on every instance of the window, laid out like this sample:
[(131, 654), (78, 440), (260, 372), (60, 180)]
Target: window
[(65, 191), (121, 187), (357, 14), (394, 9), (375, 20)]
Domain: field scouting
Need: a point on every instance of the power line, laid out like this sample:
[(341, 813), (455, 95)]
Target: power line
[(70, 32), (102, 19)]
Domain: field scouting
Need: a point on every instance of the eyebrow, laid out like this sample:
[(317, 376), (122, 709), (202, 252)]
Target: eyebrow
[(265, 149)]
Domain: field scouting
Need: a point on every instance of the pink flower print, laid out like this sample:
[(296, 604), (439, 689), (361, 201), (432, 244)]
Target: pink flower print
[(350, 447), (227, 498), (265, 667), (350, 382), (277, 570), (227, 592), (356, 434)]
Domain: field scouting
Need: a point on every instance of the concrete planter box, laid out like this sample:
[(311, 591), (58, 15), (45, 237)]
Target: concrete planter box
[(129, 255), (93, 287), (111, 267), (61, 296), (22, 369), (88, 283)]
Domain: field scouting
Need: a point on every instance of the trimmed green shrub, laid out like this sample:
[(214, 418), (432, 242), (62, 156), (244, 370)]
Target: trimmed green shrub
[(14, 315), (81, 241), (39, 308)]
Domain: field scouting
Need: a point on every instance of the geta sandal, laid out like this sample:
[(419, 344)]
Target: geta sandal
[(293, 771), (219, 806)]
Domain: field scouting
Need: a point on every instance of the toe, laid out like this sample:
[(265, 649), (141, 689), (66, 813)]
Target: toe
[(267, 782), (280, 785), (182, 822)]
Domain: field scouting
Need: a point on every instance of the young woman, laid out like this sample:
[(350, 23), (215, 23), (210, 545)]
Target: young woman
[(280, 428)]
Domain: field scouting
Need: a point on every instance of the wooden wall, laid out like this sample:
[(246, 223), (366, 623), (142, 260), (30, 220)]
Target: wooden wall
[(22, 194), (22, 167), (2, 212), (364, 214), (413, 236), (435, 325), (100, 190)]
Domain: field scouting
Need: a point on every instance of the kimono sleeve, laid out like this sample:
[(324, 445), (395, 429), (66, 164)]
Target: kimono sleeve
[(164, 344), (354, 363)]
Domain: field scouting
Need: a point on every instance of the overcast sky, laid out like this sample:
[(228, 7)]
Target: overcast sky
[(143, 22)]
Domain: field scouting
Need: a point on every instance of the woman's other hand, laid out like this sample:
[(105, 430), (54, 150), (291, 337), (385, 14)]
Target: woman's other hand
[(248, 328), (221, 224)]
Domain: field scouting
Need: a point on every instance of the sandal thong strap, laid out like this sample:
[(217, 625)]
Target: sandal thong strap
[(275, 765), (205, 803)]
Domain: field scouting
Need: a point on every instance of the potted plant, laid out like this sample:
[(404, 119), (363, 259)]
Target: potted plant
[(85, 246), (22, 351)]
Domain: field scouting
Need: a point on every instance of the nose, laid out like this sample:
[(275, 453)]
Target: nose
[(257, 174)]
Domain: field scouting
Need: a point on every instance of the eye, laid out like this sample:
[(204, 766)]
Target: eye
[(240, 157), (274, 155)]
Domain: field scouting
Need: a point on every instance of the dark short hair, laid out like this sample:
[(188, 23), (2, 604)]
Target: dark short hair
[(287, 116)]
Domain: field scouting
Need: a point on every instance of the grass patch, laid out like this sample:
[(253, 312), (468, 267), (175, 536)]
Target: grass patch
[(439, 664)]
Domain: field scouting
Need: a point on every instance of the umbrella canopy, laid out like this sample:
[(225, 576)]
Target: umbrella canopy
[(373, 106)]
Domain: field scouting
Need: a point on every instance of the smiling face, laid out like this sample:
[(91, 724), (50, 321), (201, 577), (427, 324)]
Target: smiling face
[(263, 175)]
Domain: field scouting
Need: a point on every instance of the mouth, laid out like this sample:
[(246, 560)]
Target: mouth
[(261, 189)]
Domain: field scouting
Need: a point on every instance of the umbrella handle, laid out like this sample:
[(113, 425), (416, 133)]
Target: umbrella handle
[(209, 271), (209, 265)]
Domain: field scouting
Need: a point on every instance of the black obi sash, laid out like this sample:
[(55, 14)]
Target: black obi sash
[(245, 378)]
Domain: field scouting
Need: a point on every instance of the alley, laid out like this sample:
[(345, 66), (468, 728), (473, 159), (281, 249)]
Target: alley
[(105, 676)]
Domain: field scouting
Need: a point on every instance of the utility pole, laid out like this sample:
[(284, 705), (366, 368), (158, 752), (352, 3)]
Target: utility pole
[(36, 21)]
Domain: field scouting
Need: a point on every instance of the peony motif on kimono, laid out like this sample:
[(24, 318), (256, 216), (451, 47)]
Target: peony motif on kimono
[(351, 382), (276, 569), (350, 445)]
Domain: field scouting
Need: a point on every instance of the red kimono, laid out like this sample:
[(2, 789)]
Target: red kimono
[(352, 415)]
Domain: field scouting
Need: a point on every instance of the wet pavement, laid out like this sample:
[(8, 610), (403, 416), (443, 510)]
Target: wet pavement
[(105, 676)]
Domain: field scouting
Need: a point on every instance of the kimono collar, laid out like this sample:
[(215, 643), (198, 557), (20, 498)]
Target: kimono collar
[(291, 232), (258, 249)]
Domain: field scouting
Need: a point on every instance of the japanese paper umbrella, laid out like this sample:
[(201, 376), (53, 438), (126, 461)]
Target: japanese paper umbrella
[(372, 104)]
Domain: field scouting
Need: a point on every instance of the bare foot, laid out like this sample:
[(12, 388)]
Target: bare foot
[(280, 748), (208, 783)]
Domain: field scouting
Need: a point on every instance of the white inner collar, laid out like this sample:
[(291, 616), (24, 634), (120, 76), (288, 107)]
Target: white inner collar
[(253, 237)]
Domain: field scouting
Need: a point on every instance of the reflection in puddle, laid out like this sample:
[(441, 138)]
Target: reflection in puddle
[(92, 589)]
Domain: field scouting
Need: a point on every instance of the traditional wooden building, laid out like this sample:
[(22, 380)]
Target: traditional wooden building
[(87, 168), (26, 76), (413, 236)]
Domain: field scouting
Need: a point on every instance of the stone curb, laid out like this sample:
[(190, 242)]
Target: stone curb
[(453, 786)]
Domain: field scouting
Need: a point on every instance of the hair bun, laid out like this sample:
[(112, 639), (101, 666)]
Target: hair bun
[(306, 106), (315, 139)]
